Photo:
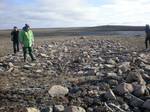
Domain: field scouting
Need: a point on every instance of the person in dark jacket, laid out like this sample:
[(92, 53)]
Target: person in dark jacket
[(147, 39), (15, 39)]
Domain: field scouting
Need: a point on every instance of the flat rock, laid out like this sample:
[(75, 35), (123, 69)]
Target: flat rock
[(146, 104), (58, 90), (31, 109), (109, 66), (27, 67), (134, 101), (112, 75), (74, 109), (43, 55)]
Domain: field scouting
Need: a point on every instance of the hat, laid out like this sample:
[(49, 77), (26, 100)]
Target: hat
[(15, 26), (27, 26)]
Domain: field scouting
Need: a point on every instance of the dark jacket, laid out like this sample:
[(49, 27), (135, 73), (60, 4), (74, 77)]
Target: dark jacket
[(15, 36), (147, 31)]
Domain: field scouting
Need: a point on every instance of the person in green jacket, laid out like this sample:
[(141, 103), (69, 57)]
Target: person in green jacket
[(26, 39)]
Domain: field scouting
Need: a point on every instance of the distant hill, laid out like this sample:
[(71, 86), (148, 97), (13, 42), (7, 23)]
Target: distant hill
[(117, 28), (79, 31)]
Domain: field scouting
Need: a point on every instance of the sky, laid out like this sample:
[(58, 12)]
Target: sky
[(73, 13)]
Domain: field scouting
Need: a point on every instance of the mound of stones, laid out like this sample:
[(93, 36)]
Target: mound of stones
[(78, 75)]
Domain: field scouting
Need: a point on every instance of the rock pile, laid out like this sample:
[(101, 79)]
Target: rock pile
[(78, 75)]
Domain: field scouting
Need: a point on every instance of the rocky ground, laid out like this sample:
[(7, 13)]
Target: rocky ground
[(77, 75)]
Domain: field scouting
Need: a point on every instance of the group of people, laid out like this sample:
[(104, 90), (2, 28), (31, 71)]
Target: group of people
[(25, 38)]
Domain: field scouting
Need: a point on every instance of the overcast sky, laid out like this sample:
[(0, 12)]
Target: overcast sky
[(69, 13)]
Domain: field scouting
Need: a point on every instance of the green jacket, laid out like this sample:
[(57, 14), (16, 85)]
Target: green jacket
[(26, 38)]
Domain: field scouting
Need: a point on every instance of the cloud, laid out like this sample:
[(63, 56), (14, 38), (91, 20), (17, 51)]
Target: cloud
[(60, 13)]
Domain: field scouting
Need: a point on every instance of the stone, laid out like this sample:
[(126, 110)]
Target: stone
[(139, 90), (125, 66), (101, 59), (10, 64), (125, 106), (27, 67), (119, 72), (112, 75), (31, 109), (146, 104), (90, 72), (10, 69), (101, 66), (147, 67), (90, 109), (59, 108), (75, 109), (47, 109), (38, 71), (111, 61), (110, 95), (145, 76), (100, 74), (116, 107), (124, 88), (142, 55), (134, 101), (58, 90), (109, 66), (43, 55), (113, 82), (135, 76), (80, 73)]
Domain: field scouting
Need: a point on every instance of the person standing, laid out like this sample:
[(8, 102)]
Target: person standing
[(15, 39), (26, 39), (147, 39)]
